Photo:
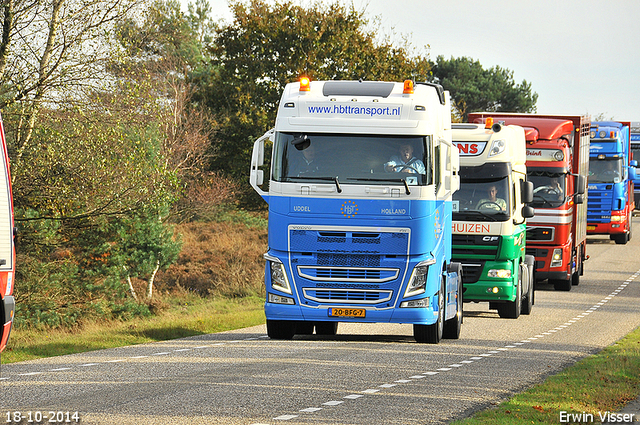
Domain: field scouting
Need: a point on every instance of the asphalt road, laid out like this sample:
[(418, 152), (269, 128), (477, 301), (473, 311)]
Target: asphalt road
[(366, 374)]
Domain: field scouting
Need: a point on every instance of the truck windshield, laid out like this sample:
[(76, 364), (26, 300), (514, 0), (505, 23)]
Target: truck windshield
[(482, 200), (549, 189), (605, 170), (352, 159)]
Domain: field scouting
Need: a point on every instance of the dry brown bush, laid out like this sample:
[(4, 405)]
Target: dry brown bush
[(218, 258)]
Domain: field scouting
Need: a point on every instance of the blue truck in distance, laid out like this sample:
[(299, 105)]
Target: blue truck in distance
[(360, 190), (610, 184), (634, 136)]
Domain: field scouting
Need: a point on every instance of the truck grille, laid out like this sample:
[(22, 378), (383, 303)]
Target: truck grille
[(540, 233), (465, 246), (538, 253), (346, 274), (471, 272), (347, 295), (600, 206)]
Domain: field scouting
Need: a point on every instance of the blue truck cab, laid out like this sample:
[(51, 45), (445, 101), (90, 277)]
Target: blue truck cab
[(610, 183), (360, 204), (634, 136)]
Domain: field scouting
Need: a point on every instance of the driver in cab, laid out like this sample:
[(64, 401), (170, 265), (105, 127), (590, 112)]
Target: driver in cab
[(492, 202), (405, 162)]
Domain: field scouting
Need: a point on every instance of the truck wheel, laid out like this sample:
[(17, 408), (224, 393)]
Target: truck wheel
[(561, 285), (512, 309), (453, 326), (527, 300), (621, 239), (432, 334), (326, 328), (575, 277), (281, 329)]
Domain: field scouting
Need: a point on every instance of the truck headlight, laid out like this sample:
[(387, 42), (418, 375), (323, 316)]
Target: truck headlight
[(497, 147), (615, 218), (556, 258), (499, 273), (279, 279), (418, 281), (279, 299), (421, 303)]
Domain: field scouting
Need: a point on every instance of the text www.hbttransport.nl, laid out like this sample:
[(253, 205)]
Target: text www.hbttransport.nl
[(386, 111)]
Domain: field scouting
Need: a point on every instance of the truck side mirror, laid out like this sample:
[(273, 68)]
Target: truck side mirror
[(633, 163), (527, 211), (256, 175), (578, 199), (526, 189), (581, 185)]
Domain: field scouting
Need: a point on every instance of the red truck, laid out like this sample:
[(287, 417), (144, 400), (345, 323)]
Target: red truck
[(7, 248), (558, 165)]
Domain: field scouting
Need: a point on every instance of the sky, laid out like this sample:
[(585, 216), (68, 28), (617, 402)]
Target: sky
[(580, 56)]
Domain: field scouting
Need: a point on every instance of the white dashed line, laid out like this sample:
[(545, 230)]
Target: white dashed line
[(285, 417)]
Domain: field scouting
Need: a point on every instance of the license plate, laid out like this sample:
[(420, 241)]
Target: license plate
[(591, 227), (346, 312)]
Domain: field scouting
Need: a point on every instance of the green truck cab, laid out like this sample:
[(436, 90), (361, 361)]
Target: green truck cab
[(489, 217)]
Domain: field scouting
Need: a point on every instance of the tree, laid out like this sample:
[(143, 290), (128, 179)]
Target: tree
[(100, 136), (267, 46), (473, 88), (54, 52), (151, 249)]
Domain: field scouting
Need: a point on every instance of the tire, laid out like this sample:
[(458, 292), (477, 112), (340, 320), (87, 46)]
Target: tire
[(281, 329), (561, 285), (326, 328), (432, 334), (512, 309), (453, 326), (575, 277), (621, 239), (527, 300)]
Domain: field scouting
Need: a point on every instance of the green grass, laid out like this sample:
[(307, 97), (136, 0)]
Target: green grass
[(187, 317), (603, 382)]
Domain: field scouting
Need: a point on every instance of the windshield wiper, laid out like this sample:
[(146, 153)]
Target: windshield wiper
[(476, 212), (544, 200), (331, 179), (406, 185)]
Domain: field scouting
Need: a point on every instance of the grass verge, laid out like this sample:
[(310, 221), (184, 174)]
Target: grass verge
[(596, 384), (189, 317)]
